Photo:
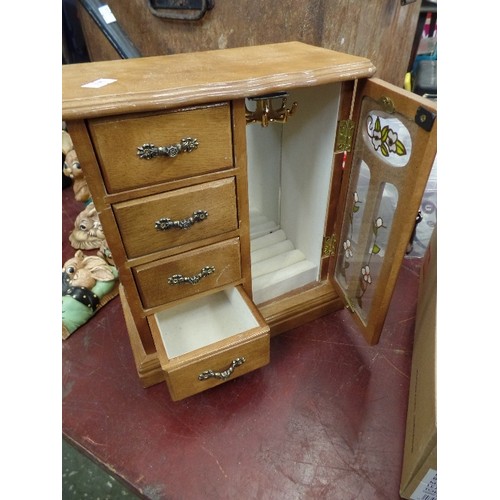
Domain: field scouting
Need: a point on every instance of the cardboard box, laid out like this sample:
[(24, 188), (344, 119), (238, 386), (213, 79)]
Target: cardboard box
[(419, 475)]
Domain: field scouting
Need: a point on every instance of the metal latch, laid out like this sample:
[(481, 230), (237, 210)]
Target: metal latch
[(425, 118), (180, 10)]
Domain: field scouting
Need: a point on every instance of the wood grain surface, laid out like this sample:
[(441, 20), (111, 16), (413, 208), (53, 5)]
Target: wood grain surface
[(382, 30)]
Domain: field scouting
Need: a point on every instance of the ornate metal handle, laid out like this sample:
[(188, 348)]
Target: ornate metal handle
[(224, 375), (177, 279), (164, 223), (185, 145)]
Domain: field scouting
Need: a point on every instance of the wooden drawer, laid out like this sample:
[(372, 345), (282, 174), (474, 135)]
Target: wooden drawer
[(195, 213), (116, 141), (210, 267), (234, 340)]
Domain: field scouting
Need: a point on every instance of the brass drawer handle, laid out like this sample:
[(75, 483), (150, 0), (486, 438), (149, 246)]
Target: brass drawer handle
[(177, 279), (224, 375), (185, 145), (164, 223)]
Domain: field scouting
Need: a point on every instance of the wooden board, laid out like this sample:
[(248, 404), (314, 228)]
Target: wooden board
[(381, 31), (156, 83)]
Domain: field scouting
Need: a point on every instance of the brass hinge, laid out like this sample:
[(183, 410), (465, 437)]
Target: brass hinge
[(343, 137), (348, 304), (329, 244)]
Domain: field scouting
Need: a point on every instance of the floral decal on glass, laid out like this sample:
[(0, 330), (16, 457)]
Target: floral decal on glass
[(347, 249), (384, 138), (365, 274), (347, 244), (365, 278)]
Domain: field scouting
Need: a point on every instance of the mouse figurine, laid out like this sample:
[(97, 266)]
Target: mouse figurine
[(87, 233), (88, 283), (73, 170)]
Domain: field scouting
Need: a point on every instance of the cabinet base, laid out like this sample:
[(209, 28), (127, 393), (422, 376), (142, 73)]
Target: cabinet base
[(281, 315), (147, 364)]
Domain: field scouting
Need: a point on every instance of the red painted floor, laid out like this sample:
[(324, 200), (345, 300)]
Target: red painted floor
[(325, 419)]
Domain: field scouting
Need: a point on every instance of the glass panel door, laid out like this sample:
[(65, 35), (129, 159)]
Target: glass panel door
[(392, 158)]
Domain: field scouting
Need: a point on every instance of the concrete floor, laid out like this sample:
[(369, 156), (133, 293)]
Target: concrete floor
[(83, 478)]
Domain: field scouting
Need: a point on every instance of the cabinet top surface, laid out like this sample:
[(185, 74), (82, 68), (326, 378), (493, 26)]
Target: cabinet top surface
[(161, 82)]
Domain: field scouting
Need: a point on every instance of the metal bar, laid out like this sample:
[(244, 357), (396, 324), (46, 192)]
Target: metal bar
[(104, 18)]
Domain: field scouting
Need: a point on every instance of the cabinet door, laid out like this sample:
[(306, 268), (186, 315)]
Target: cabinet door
[(382, 187)]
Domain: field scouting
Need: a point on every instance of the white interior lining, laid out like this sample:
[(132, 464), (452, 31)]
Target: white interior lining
[(277, 266), (289, 172), (201, 322)]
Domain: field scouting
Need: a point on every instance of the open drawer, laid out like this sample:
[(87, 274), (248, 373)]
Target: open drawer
[(207, 341)]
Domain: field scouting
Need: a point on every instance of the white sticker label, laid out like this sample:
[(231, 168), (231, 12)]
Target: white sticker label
[(427, 489), (107, 15), (97, 84)]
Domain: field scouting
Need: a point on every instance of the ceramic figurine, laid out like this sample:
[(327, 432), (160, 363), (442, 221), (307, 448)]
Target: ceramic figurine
[(88, 283), (87, 233), (73, 170), (105, 253)]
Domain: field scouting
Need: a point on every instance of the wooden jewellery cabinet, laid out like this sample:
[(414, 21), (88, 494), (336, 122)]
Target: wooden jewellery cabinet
[(244, 192)]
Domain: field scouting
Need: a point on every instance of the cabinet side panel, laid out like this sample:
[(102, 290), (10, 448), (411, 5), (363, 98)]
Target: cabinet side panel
[(308, 142), (77, 129), (240, 162)]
